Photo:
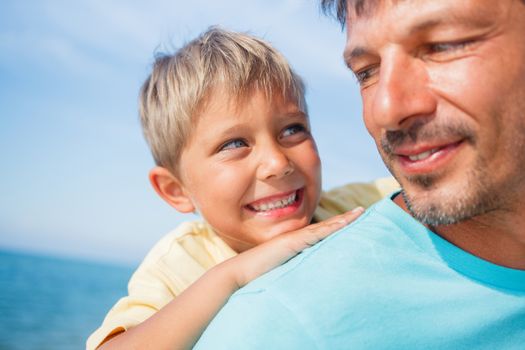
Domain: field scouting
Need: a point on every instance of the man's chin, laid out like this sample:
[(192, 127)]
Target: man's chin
[(428, 210), (447, 204), (426, 201)]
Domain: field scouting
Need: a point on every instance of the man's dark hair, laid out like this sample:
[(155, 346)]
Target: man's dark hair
[(338, 8)]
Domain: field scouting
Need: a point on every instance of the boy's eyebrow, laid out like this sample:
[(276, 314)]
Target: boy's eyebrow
[(296, 113), (234, 129), (238, 128)]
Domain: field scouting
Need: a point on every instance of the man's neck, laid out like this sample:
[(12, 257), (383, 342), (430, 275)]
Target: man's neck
[(495, 237)]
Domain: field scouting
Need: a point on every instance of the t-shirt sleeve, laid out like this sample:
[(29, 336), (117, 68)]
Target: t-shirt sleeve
[(148, 293), (167, 270), (255, 321)]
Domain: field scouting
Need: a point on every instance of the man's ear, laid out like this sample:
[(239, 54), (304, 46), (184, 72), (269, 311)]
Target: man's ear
[(170, 188)]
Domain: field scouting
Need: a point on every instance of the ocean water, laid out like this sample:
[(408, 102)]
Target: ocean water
[(54, 303)]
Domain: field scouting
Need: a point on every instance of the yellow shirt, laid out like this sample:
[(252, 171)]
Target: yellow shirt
[(184, 254)]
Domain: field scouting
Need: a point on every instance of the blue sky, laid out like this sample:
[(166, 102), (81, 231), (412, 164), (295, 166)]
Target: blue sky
[(74, 163)]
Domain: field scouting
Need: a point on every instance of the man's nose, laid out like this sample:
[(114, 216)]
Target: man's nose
[(274, 163), (403, 92)]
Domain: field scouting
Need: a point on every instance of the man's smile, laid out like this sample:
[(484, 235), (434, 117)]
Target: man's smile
[(419, 160)]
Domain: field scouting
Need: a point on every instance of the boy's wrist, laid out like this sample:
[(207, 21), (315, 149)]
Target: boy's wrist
[(229, 272)]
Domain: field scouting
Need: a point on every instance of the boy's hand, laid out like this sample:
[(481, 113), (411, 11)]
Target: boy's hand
[(254, 262)]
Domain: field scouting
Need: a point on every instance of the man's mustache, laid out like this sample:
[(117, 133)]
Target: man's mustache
[(428, 132)]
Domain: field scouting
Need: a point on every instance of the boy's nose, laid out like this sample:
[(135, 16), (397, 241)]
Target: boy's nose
[(274, 163)]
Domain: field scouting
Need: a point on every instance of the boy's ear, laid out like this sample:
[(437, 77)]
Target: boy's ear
[(170, 188)]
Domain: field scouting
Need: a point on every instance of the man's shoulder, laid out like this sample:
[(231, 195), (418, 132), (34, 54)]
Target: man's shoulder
[(305, 299), (353, 248), (347, 197)]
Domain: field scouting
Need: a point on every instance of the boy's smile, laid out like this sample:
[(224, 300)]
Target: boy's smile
[(251, 168), (277, 205)]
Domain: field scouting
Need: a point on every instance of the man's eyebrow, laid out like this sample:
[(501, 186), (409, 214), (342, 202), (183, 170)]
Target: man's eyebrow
[(449, 19), (352, 55), (425, 25)]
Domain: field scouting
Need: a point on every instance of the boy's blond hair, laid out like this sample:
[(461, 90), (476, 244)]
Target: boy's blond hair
[(180, 84)]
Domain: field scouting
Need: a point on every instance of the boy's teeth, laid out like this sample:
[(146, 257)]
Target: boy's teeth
[(423, 155), (278, 204)]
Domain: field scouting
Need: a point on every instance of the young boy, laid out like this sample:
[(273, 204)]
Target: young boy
[(227, 124)]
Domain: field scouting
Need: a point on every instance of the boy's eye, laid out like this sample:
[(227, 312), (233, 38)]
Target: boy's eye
[(237, 143), (293, 129)]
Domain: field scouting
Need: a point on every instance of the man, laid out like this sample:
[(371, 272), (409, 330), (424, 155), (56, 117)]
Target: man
[(440, 265)]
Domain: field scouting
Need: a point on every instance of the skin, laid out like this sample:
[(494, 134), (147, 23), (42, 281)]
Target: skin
[(449, 78), (243, 155)]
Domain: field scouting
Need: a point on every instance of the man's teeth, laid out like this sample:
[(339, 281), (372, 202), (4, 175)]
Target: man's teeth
[(423, 155), (278, 204)]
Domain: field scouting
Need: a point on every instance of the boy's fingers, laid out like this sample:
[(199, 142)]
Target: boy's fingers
[(350, 216), (266, 256), (315, 233), (340, 220)]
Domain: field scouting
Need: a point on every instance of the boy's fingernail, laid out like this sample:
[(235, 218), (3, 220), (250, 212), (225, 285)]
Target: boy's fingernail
[(358, 210)]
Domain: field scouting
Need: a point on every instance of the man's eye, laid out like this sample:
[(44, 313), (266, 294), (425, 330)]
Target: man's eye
[(448, 47), (293, 129), (365, 74), (238, 143)]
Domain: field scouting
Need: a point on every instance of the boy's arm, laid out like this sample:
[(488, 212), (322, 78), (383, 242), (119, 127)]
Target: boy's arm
[(180, 323)]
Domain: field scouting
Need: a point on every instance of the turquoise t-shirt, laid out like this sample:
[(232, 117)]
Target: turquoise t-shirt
[(384, 282)]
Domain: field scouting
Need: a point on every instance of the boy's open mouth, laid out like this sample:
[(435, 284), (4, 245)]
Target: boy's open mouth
[(274, 203)]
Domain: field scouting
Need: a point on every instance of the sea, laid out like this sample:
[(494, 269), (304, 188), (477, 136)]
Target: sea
[(54, 303)]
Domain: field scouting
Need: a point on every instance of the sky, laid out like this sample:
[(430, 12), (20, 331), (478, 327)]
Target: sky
[(73, 160)]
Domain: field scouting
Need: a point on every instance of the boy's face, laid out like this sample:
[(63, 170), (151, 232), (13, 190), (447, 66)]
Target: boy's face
[(252, 170)]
